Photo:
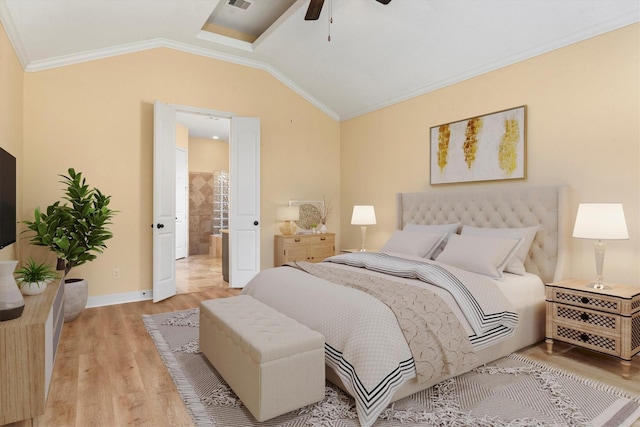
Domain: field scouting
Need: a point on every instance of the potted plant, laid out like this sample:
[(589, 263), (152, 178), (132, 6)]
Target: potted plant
[(75, 232), (33, 277)]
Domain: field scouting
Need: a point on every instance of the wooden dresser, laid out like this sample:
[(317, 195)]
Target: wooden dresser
[(303, 247), (28, 347), (606, 320)]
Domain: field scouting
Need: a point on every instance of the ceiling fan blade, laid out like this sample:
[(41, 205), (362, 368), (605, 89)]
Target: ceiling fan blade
[(384, 1), (313, 12)]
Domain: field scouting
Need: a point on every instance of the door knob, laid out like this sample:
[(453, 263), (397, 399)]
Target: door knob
[(160, 225), (255, 223)]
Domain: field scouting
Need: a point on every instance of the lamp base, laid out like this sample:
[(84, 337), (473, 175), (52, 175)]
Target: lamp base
[(598, 285), (363, 234), (288, 228)]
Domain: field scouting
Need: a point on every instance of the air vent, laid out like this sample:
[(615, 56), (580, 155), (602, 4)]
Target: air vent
[(240, 4)]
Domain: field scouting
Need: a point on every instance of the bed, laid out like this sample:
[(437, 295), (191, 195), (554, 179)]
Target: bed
[(373, 349)]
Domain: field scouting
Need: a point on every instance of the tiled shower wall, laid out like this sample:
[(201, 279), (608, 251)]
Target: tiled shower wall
[(200, 212)]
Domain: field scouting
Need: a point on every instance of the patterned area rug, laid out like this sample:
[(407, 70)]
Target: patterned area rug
[(513, 391)]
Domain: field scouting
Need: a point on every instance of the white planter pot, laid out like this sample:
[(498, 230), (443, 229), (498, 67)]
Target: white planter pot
[(11, 301), (33, 288), (76, 292)]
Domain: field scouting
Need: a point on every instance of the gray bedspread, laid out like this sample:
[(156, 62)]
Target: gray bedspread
[(365, 344)]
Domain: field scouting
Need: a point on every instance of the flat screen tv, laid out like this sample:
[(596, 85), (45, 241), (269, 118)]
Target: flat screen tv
[(7, 199)]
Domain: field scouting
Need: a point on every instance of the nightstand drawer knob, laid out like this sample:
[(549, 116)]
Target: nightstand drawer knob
[(584, 337), (584, 316), (585, 300)]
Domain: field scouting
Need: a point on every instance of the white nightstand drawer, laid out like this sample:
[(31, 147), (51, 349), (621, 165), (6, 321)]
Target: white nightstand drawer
[(599, 322), (591, 340), (587, 300)]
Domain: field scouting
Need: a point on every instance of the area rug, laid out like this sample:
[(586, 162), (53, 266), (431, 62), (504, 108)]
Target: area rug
[(513, 391)]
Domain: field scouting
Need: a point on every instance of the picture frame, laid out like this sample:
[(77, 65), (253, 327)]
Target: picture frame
[(490, 147), (310, 213)]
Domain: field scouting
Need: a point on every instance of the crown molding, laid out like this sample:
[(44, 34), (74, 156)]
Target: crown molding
[(62, 61), (12, 34), (611, 25)]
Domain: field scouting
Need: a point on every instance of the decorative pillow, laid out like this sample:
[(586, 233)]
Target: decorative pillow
[(480, 254), (413, 243), (449, 229), (527, 234)]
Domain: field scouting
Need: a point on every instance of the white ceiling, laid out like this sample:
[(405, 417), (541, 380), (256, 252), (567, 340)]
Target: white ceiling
[(378, 54), (205, 126)]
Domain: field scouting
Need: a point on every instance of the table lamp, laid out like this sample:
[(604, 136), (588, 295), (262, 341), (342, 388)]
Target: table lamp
[(363, 215), (288, 214), (600, 221)]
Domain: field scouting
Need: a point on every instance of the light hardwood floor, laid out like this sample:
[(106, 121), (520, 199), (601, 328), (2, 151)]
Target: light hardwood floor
[(198, 273), (108, 372)]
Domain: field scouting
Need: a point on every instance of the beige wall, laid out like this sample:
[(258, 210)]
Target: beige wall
[(98, 117), (208, 155), (11, 106), (182, 136), (583, 130), (583, 109)]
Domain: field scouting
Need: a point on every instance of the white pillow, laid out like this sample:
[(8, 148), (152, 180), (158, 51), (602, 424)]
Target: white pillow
[(480, 254), (449, 229), (413, 243), (527, 234)]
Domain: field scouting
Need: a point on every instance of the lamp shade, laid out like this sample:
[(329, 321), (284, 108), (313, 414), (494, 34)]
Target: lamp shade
[(363, 215), (288, 213), (602, 221)]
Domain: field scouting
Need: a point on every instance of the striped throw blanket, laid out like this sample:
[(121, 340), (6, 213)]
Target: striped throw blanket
[(486, 309)]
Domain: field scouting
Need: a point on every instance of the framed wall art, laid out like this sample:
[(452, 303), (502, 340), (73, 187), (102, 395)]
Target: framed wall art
[(310, 214), (484, 148)]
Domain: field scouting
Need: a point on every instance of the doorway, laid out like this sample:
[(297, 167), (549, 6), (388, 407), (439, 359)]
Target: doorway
[(204, 137), (244, 210)]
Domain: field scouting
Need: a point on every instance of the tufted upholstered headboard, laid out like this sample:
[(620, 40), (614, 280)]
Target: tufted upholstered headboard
[(499, 208)]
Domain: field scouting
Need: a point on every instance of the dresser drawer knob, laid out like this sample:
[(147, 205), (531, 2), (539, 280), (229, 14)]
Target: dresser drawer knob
[(297, 240), (584, 316), (584, 337), (585, 300)]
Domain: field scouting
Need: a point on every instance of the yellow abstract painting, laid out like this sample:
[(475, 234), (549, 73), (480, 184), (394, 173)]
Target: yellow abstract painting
[(482, 148)]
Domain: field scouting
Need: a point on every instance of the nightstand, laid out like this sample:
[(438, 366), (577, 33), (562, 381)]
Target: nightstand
[(303, 247), (606, 320)]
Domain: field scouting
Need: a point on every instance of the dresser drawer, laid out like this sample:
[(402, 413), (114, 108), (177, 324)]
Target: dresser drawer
[(586, 319), (303, 247), (591, 340), (587, 300)]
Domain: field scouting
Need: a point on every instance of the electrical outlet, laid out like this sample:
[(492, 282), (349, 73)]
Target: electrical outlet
[(116, 273)]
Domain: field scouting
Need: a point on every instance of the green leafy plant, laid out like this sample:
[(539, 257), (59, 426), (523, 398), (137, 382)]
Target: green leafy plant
[(35, 272), (77, 231)]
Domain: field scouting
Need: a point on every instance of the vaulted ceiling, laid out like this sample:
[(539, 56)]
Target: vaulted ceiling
[(378, 54)]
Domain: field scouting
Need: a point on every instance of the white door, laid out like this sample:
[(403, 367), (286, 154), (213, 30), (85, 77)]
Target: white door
[(182, 191), (164, 201), (244, 218)]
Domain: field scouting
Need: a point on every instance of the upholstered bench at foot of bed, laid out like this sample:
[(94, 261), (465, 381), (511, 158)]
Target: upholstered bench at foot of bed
[(273, 363)]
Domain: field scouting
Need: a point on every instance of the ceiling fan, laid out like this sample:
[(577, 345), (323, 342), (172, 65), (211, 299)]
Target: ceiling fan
[(315, 7)]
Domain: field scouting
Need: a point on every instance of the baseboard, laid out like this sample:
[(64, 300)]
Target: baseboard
[(125, 297)]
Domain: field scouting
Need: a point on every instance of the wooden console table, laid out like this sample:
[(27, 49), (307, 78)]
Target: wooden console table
[(28, 347)]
